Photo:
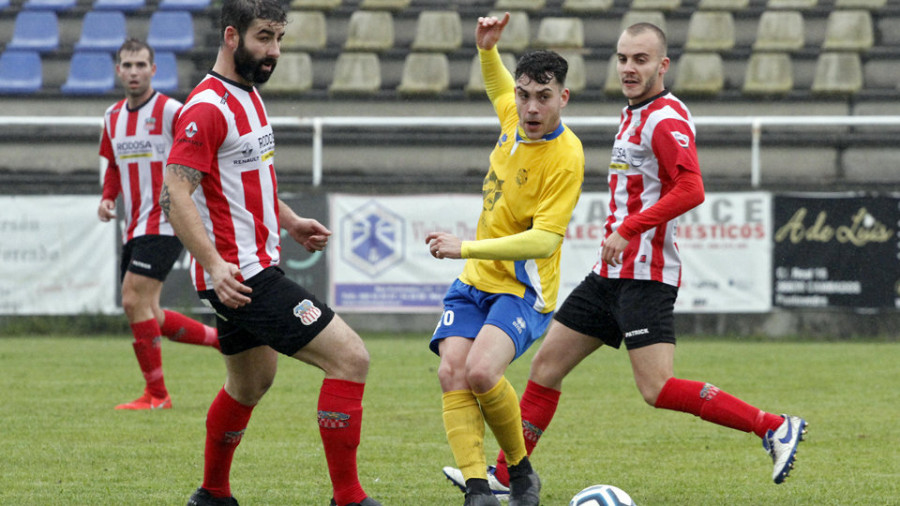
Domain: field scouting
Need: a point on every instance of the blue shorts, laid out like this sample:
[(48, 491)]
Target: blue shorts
[(467, 309)]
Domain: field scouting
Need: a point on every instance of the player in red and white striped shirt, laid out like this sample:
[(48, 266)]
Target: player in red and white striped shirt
[(137, 136), (654, 177), (221, 196)]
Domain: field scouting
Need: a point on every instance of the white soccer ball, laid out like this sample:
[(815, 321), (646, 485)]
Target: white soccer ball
[(602, 495)]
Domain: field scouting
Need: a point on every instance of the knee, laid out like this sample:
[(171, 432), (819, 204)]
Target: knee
[(650, 391), (545, 372), (480, 378), (131, 302), (249, 391)]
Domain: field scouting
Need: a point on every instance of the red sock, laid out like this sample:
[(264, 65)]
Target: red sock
[(538, 406), (225, 424), (181, 329), (713, 405), (149, 356), (340, 423)]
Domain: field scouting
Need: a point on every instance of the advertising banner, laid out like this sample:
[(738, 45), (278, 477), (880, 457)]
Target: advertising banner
[(56, 257), (379, 260), (836, 250)]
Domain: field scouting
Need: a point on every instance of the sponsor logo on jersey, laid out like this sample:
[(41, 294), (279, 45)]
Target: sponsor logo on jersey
[(522, 177), (502, 139), (150, 123), (491, 190), (134, 148), (307, 312), (190, 130), (682, 139), (333, 420)]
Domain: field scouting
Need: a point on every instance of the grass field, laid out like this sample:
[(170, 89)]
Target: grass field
[(63, 444)]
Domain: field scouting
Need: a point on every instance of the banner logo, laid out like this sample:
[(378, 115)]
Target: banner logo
[(373, 238)]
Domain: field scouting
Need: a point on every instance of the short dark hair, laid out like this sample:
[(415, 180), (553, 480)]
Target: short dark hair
[(639, 28), (133, 45), (542, 66), (241, 13)]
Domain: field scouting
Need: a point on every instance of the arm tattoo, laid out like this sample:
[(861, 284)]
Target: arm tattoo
[(192, 176)]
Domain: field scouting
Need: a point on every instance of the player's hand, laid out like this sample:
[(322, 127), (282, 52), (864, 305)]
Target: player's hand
[(612, 249), (444, 245), (488, 30), (229, 290), (309, 233), (107, 210)]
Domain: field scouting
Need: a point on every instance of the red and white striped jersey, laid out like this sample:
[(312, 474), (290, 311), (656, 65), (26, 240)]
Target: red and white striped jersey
[(654, 177), (135, 144), (223, 131)]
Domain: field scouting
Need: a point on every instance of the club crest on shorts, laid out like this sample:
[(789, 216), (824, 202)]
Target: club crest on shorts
[(307, 312)]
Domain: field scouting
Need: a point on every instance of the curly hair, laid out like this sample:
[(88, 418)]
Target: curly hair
[(542, 66)]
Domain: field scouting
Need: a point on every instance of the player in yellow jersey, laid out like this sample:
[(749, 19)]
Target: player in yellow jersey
[(505, 297)]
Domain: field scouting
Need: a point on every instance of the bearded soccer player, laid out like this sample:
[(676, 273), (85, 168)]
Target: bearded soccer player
[(504, 298), (220, 194), (137, 136), (629, 296)]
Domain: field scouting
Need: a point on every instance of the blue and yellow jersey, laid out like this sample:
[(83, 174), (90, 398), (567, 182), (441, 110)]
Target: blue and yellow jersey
[(530, 184)]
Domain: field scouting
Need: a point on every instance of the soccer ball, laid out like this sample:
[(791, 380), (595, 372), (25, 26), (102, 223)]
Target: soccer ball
[(601, 495)]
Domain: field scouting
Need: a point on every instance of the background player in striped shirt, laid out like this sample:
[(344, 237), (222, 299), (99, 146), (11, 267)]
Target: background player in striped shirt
[(654, 177), (137, 136), (506, 294), (220, 194)]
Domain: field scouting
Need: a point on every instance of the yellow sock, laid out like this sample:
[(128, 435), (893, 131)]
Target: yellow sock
[(500, 406), (464, 425)]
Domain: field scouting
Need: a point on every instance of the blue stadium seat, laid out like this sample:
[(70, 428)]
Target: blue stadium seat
[(49, 5), (166, 77), (171, 31), (4, 4), (20, 72), (35, 30), (90, 73), (102, 31), (183, 5), (118, 5)]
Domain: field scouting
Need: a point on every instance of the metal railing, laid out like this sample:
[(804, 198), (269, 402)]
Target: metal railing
[(318, 124)]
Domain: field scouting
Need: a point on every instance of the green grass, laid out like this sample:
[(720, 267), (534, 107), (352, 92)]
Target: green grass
[(61, 443)]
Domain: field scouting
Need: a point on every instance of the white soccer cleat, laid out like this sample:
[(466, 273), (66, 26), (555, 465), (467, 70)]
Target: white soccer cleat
[(499, 490), (782, 445)]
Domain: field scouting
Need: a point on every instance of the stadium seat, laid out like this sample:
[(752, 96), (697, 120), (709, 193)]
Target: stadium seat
[(305, 31), (118, 5), (184, 5), (586, 6), (356, 74), (517, 34), (838, 73), (655, 5), (20, 72), (384, 5), (780, 31), (102, 31), (520, 5), (860, 4), (475, 85), (710, 31), (699, 74), (768, 74), (798, 5), (4, 4), (438, 31), (90, 73), (49, 5), (171, 31), (294, 74), (425, 74), (576, 78), (612, 86), (635, 16), (370, 31), (317, 5), (36, 31), (560, 33), (849, 30), (723, 5), (166, 77)]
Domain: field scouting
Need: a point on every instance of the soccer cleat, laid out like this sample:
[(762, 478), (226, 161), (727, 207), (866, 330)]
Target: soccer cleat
[(782, 445), (524, 485), (368, 501), (455, 476), (202, 497), (147, 401)]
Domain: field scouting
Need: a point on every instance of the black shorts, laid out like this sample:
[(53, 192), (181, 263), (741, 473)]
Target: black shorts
[(281, 314), (640, 312), (150, 255)]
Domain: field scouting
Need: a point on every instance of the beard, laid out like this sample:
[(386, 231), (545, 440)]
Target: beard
[(250, 68)]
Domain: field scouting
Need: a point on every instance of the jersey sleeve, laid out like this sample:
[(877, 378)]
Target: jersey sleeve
[(199, 131), (679, 171), (498, 83), (111, 183)]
